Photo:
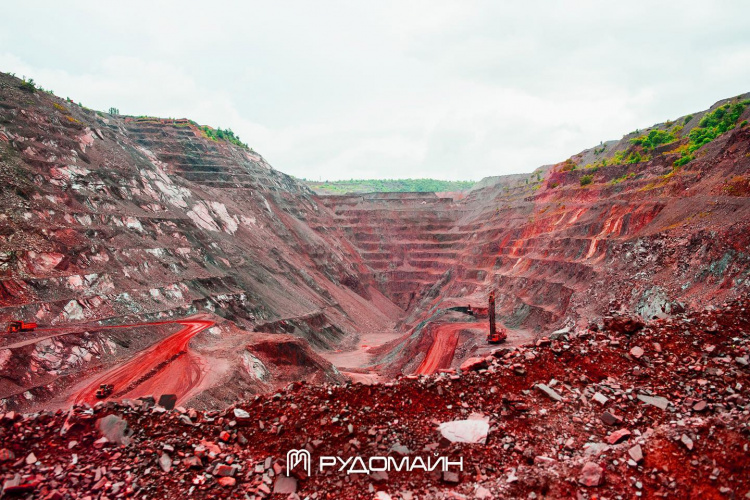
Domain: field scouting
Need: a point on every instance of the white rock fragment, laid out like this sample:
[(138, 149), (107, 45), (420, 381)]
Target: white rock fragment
[(600, 398), (466, 431), (549, 392), (241, 414), (657, 401), (165, 462)]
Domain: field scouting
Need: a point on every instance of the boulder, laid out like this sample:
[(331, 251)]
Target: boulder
[(624, 325), (636, 453), (168, 401), (618, 436), (685, 440), (165, 462), (227, 481), (115, 429), (600, 398), (147, 401), (192, 462), (474, 364), (549, 392), (241, 414), (610, 418), (223, 470), (657, 401), (591, 475)]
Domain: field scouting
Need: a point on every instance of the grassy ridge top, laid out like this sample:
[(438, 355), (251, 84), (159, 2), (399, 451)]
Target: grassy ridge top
[(387, 186)]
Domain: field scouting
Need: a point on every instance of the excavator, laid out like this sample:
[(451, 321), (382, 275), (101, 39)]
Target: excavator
[(20, 326), (494, 337)]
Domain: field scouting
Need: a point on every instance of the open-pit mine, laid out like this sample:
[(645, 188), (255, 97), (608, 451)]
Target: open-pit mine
[(180, 315)]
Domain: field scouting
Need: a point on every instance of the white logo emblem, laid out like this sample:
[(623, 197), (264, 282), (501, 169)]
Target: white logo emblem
[(297, 457)]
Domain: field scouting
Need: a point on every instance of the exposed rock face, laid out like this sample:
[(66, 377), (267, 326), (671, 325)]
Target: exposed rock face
[(551, 253), (126, 220), (641, 238), (120, 220), (155, 220)]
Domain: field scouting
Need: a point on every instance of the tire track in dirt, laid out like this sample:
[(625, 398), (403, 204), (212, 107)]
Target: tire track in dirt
[(168, 366), (443, 347)]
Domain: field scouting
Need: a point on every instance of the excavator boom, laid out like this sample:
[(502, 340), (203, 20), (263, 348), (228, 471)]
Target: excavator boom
[(494, 337)]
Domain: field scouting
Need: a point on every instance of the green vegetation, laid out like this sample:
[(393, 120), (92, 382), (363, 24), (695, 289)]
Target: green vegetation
[(623, 157), (653, 139), (29, 85), (619, 157), (625, 177), (586, 180), (114, 111), (388, 185), (636, 157), (711, 126), (224, 135), (594, 167), (714, 124), (682, 160), (568, 165), (687, 119)]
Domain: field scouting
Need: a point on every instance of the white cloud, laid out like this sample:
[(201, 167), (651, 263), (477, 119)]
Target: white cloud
[(443, 89)]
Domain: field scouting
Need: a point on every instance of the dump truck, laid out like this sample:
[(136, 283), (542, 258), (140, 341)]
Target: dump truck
[(20, 326), (104, 390)]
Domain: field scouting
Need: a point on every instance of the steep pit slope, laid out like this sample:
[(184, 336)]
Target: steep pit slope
[(124, 220), (654, 223)]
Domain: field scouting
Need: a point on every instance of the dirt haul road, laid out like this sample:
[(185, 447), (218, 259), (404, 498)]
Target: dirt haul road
[(167, 367), (444, 345)]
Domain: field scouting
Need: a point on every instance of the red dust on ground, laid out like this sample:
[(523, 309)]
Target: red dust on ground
[(659, 413), (168, 367)]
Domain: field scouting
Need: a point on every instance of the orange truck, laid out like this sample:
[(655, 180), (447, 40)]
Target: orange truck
[(20, 326)]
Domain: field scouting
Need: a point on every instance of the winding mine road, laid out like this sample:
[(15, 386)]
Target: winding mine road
[(167, 367), (445, 340)]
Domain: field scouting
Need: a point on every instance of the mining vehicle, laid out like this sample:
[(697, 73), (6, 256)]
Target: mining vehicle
[(494, 337), (20, 326), (104, 390)]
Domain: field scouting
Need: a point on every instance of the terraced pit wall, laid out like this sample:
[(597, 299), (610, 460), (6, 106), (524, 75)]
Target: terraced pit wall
[(561, 253), (118, 219)]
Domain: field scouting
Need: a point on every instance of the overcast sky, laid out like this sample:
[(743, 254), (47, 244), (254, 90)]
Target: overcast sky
[(339, 90)]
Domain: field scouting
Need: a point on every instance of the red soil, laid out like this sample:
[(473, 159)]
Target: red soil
[(697, 361), (167, 367), (445, 340)]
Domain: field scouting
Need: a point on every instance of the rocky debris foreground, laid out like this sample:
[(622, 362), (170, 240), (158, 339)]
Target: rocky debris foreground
[(576, 417)]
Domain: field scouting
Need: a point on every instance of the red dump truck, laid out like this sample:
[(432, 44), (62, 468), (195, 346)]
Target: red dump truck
[(20, 326), (104, 390)]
